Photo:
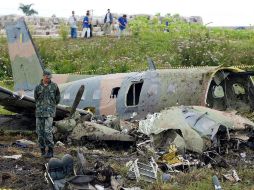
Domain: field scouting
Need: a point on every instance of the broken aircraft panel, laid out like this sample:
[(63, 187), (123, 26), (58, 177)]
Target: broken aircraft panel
[(123, 94), (94, 131), (192, 127)]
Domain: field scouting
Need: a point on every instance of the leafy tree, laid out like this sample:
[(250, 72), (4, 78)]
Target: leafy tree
[(27, 10)]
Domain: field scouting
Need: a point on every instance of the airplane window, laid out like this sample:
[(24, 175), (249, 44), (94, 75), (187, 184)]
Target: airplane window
[(134, 94), (238, 89), (114, 92), (218, 92), (96, 94)]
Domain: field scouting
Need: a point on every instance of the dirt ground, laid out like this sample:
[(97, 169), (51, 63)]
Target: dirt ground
[(27, 173), (24, 173)]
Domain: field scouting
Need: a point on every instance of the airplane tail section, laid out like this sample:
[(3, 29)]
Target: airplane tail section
[(26, 65)]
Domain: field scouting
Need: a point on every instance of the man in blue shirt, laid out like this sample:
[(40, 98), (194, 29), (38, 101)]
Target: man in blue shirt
[(86, 26), (122, 24)]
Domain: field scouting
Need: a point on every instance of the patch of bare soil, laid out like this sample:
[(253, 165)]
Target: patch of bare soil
[(25, 173)]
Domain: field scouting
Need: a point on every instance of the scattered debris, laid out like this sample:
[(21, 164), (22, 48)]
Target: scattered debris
[(214, 159), (216, 183), (99, 187), (195, 128), (24, 143), (16, 157), (113, 122), (142, 171), (170, 157), (116, 184), (132, 188), (59, 143), (232, 176), (94, 131), (166, 177), (174, 141), (4, 176)]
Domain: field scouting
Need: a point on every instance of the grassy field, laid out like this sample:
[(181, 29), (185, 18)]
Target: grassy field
[(185, 45)]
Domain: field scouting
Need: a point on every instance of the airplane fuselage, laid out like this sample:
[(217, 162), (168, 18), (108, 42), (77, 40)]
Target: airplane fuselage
[(136, 93)]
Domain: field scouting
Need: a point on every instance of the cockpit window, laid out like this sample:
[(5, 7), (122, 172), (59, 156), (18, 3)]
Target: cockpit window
[(218, 92), (238, 89)]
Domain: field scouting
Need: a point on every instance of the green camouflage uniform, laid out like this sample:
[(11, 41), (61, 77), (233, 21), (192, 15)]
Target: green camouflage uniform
[(46, 98)]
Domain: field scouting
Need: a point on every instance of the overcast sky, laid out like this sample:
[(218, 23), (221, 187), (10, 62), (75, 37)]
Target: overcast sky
[(219, 12)]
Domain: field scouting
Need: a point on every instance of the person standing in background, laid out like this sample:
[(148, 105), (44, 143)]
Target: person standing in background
[(73, 25), (108, 19), (122, 24), (90, 23), (86, 26)]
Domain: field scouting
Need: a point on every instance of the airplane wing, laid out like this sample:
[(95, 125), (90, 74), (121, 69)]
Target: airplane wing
[(25, 104)]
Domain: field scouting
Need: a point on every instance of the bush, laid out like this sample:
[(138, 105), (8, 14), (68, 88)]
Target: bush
[(64, 31), (200, 50)]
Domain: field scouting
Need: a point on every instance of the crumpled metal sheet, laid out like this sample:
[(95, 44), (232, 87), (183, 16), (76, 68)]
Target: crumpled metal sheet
[(94, 131), (172, 119), (195, 123)]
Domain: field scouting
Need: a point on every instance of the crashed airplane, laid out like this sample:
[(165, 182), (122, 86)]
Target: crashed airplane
[(123, 94)]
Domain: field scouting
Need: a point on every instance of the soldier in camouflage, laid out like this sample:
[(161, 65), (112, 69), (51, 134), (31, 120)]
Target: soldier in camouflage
[(47, 96)]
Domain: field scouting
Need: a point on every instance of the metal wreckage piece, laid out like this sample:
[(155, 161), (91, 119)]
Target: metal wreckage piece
[(216, 183), (196, 129), (78, 177), (142, 171), (232, 176)]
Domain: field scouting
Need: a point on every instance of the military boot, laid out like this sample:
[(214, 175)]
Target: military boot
[(49, 153), (43, 152)]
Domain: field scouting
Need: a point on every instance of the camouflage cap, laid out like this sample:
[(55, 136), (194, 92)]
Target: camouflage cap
[(47, 72)]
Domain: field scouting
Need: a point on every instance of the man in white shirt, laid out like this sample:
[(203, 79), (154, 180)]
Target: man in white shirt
[(73, 25), (107, 22)]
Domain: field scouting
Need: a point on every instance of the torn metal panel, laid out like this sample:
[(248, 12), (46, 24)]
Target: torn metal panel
[(166, 138), (94, 131), (232, 176), (188, 127), (172, 119), (142, 171)]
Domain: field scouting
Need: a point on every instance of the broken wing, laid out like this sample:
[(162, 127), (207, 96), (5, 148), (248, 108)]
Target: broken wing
[(23, 104)]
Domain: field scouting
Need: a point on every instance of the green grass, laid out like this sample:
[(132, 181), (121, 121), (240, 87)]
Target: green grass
[(185, 45), (201, 179)]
